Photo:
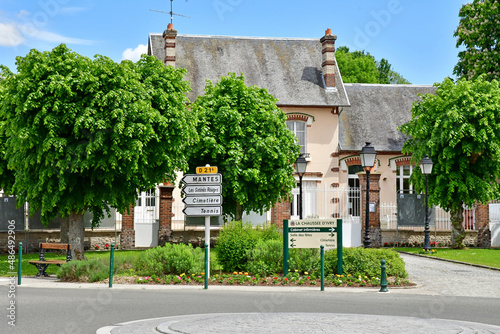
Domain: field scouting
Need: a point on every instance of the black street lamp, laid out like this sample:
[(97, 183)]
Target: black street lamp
[(367, 156), (300, 167), (426, 168)]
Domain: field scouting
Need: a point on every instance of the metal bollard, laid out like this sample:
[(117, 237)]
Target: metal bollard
[(111, 260), (322, 252), (20, 264), (206, 266), (383, 277)]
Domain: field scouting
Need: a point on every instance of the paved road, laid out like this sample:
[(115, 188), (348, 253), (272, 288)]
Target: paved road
[(451, 279), (44, 306)]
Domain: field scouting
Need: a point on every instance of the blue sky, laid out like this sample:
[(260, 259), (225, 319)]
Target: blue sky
[(415, 36)]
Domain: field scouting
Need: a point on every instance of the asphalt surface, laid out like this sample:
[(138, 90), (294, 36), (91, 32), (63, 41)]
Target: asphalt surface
[(448, 298)]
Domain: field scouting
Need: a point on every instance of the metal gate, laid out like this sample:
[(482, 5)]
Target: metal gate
[(145, 222)]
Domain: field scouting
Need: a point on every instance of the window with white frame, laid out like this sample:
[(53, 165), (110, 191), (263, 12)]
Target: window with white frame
[(354, 193), (308, 201), (403, 185), (299, 129)]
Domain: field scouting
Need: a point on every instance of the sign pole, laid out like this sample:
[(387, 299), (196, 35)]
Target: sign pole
[(285, 247), (207, 245), (339, 247)]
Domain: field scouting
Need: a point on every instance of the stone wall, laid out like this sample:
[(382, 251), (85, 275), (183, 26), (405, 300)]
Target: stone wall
[(440, 238), (31, 239)]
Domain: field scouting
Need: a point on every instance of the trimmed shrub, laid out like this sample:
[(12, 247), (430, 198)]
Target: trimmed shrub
[(366, 262), (304, 260), (93, 270), (265, 258), (170, 259), (233, 242)]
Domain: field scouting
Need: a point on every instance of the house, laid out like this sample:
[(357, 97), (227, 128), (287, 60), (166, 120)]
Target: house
[(332, 121)]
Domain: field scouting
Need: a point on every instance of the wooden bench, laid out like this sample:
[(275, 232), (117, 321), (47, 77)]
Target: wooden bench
[(41, 264)]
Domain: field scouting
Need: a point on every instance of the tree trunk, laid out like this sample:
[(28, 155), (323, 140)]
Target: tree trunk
[(64, 230), (239, 212), (75, 232), (457, 228)]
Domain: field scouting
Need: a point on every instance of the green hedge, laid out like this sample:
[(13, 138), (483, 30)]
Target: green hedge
[(170, 259)]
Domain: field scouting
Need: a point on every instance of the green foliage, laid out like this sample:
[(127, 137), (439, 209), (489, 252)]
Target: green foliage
[(244, 133), (365, 262), (479, 32), (233, 243), (459, 129), (92, 270), (170, 259), (88, 134), (304, 260), (266, 257), (361, 67)]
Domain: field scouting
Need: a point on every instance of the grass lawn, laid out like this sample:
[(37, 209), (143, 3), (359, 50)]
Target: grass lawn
[(485, 257), (30, 270)]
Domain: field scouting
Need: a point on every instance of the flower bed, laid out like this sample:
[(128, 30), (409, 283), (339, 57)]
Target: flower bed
[(243, 278)]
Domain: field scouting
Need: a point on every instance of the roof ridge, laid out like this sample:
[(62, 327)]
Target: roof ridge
[(243, 37), (388, 85)]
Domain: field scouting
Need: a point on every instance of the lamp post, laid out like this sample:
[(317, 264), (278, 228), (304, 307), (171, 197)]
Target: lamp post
[(367, 156), (426, 168), (300, 167)]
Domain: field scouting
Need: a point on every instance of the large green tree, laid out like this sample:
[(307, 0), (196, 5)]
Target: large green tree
[(244, 134), (361, 67), (459, 129), (88, 134), (479, 32)]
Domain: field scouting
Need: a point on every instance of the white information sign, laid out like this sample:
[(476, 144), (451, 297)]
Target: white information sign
[(202, 200), (312, 233), (202, 211), (202, 190)]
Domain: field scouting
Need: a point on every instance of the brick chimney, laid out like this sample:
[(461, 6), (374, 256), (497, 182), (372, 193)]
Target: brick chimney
[(169, 36), (328, 52)]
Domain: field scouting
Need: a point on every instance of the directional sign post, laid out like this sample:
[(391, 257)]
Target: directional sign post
[(203, 199), (312, 233)]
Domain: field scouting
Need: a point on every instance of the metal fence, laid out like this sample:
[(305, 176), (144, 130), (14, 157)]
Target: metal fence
[(324, 202), (439, 218)]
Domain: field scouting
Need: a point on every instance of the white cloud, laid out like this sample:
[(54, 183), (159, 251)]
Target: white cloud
[(10, 35), (47, 36), (23, 13), (134, 54)]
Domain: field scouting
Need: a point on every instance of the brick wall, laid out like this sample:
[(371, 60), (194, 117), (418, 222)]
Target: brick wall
[(166, 214), (280, 212), (127, 237), (374, 217), (483, 225)]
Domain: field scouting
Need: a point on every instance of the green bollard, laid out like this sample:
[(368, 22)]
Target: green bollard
[(206, 266), (383, 277), (322, 252), (111, 260), (20, 264)]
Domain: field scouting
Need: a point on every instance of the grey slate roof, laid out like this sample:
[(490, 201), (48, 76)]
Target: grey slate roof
[(375, 114), (290, 69)]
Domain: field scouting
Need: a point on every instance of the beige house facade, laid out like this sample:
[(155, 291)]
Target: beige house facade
[(332, 122)]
